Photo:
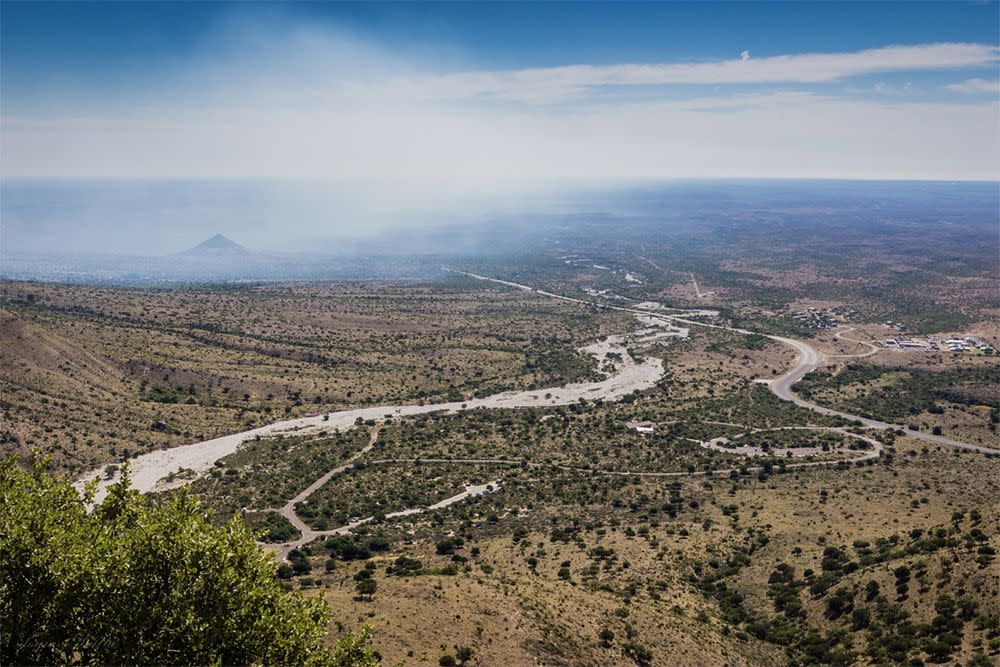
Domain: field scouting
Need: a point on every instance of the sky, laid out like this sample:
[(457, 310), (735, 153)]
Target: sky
[(412, 106)]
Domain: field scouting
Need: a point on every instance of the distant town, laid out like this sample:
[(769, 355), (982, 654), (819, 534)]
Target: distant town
[(957, 344), (823, 318)]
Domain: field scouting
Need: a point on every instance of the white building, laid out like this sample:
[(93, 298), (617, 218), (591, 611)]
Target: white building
[(646, 428)]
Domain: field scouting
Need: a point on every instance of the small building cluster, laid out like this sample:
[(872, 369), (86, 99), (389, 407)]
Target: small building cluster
[(956, 344), (824, 318)]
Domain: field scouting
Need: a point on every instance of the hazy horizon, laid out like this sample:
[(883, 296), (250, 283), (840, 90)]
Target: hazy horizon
[(142, 129), (98, 218), (359, 120)]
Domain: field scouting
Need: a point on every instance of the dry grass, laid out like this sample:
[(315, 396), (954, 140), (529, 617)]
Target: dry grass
[(89, 374)]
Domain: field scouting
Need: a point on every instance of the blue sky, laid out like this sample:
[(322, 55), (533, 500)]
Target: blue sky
[(432, 100), (89, 39)]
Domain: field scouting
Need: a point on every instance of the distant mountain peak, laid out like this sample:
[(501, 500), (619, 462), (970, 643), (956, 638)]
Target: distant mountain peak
[(219, 241), (217, 244)]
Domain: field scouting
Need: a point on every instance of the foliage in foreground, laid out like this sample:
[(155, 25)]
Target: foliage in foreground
[(132, 583)]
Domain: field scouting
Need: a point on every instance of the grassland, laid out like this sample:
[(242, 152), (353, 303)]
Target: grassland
[(565, 565), (598, 546), (92, 375), (961, 401), (685, 570)]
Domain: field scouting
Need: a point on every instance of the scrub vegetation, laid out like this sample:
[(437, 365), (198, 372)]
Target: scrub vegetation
[(94, 375), (736, 529), (133, 583)]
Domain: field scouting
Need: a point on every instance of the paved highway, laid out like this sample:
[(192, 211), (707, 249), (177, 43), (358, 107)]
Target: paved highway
[(809, 359)]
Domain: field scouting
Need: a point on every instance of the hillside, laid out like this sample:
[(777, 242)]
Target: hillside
[(92, 375)]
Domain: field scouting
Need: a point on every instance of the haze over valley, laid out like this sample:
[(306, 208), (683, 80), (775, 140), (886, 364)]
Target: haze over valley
[(500, 334)]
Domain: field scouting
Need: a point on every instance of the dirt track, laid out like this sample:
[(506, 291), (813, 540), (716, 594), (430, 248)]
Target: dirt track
[(149, 470)]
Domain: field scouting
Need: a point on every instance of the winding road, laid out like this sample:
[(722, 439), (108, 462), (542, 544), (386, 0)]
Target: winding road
[(809, 359), (839, 335), (148, 471), (308, 534)]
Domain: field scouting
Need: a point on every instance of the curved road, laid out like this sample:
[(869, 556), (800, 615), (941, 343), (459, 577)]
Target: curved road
[(308, 534), (809, 359), (148, 470), (839, 335)]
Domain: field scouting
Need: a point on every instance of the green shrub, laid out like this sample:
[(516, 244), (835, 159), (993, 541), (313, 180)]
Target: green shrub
[(134, 583)]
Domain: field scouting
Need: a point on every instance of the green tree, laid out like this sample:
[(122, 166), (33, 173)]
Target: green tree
[(367, 587), (134, 583), (638, 653)]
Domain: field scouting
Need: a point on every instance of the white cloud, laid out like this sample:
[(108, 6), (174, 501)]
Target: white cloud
[(554, 83), (434, 152), (973, 86), (744, 55), (397, 135)]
